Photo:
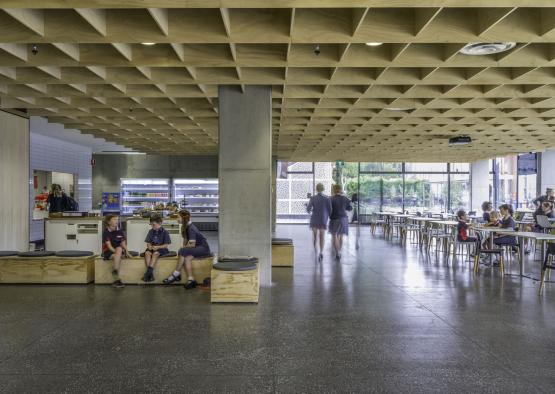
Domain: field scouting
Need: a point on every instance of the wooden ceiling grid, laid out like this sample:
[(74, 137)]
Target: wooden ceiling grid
[(401, 100)]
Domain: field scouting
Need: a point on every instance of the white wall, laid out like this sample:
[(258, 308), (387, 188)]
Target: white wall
[(547, 164), (52, 154), (479, 171), (14, 182)]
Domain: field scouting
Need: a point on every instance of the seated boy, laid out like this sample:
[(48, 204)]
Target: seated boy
[(462, 228), (114, 246), (157, 242)]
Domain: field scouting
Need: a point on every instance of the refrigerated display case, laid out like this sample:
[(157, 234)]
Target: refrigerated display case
[(143, 193), (200, 197)]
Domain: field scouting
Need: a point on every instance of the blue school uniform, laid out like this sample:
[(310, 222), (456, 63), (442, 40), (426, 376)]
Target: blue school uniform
[(159, 237), (115, 238), (320, 207), (506, 239), (201, 247), (339, 221)]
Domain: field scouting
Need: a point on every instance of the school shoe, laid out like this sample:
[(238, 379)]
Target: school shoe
[(148, 277), (171, 279), (191, 284), (118, 284)]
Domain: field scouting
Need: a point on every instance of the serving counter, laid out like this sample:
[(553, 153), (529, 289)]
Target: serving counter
[(73, 233)]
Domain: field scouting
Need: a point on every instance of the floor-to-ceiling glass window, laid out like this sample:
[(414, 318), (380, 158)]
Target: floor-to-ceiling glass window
[(416, 187), (459, 186)]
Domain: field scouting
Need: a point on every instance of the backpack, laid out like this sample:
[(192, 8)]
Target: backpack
[(70, 204)]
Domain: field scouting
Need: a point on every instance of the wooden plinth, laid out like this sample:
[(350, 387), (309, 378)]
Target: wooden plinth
[(53, 269), (282, 255), (132, 270), (235, 286)]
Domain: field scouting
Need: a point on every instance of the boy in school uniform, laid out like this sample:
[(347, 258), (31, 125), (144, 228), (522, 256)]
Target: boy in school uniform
[(114, 246), (157, 242), (462, 228)]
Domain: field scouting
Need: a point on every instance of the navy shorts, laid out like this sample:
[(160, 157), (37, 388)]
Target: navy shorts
[(197, 251), (162, 252), (107, 255), (505, 240)]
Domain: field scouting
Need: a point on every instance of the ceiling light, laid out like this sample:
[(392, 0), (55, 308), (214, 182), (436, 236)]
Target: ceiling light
[(148, 43), (374, 44), (398, 109), (486, 48)]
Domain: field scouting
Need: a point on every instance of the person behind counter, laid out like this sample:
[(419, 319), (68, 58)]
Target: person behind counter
[(57, 199), (194, 245), (157, 242), (487, 209), (114, 246)]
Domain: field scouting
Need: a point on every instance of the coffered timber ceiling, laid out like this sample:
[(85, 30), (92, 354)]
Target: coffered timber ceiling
[(92, 73)]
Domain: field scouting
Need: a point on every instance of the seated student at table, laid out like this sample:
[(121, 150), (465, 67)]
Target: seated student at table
[(194, 245), (487, 209), (494, 218), (157, 242), (545, 209), (462, 228), (507, 222), (114, 246)]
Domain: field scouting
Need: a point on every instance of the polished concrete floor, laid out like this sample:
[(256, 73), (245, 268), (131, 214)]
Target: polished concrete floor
[(386, 318)]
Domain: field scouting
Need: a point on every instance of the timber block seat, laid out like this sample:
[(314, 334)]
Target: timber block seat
[(132, 270), (8, 253), (283, 252), (235, 279), (46, 268)]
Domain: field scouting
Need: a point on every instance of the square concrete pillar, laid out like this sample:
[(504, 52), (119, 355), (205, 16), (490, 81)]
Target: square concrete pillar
[(245, 174)]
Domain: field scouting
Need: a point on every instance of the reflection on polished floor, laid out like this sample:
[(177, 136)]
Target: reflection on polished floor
[(386, 319)]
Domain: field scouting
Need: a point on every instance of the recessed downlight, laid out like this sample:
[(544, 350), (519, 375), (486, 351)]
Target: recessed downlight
[(374, 44), (399, 109), (486, 48), (148, 43)]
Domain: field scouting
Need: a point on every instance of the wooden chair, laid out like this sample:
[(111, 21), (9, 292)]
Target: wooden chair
[(490, 252), (548, 264)]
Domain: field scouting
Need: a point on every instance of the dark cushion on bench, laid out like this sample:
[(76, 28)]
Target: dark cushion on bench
[(235, 266), (42, 253), (74, 253), (282, 241), (169, 254), (7, 253), (238, 259)]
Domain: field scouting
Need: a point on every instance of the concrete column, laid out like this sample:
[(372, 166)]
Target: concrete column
[(479, 172), (245, 169), (547, 175)]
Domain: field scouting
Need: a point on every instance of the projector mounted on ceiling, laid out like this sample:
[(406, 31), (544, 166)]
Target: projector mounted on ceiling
[(460, 140)]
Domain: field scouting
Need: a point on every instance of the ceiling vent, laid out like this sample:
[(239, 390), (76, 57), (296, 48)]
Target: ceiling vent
[(460, 140), (487, 48)]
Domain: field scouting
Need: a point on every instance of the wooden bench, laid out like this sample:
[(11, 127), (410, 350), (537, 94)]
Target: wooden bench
[(132, 270), (235, 286), (283, 253), (51, 269)]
